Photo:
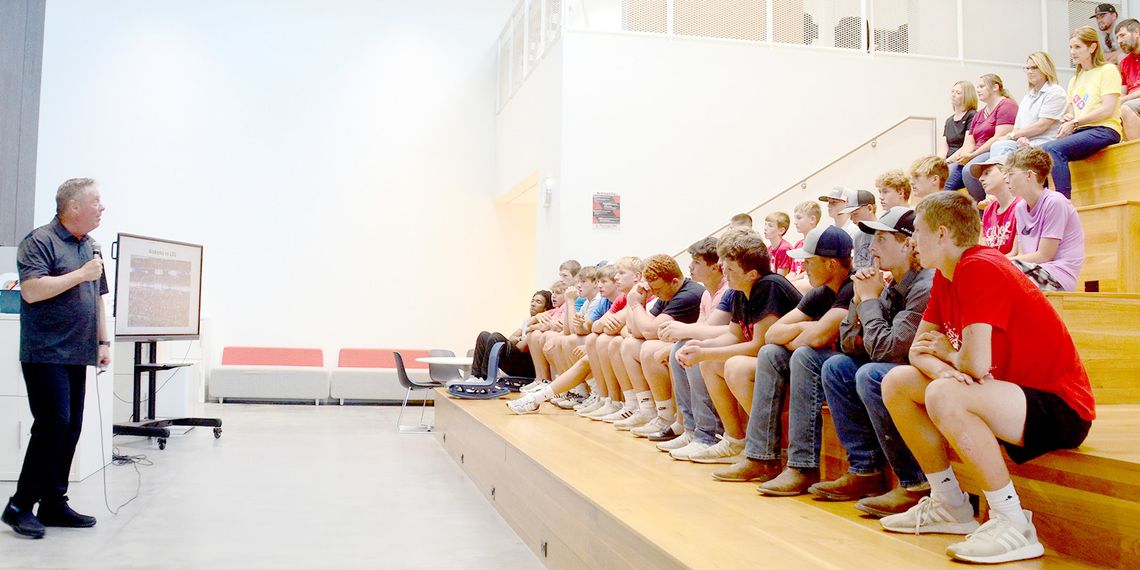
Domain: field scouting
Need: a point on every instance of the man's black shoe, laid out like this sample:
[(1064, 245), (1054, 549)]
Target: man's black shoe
[(664, 435), (61, 515), (22, 521)]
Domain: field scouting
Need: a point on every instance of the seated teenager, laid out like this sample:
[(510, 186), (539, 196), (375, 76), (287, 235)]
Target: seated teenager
[(758, 299), (776, 225), (536, 337), (999, 220), (806, 217), (838, 200), (586, 360), (991, 123), (893, 188), (1051, 242), (1128, 35), (874, 338), (927, 176), (964, 100), (741, 220), (513, 360), (992, 366), (1092, 118), (678, 299), (864, 211), (568, 275), (698, 417), (607, 347), (790, 362), (1038, 116), (574, 335)]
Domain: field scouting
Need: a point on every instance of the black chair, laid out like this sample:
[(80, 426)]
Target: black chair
[(444, 373), (409, 385)]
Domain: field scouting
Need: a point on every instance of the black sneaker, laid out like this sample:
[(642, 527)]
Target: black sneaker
[(666, 434), (61, 515), (22, 521)]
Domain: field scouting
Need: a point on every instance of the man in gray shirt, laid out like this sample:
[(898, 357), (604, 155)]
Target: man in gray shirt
[(62, 332), (875, 337)]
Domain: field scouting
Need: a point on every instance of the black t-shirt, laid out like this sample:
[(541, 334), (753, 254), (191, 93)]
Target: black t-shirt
[(685, 306), (822, 299), (772, 294), (955, 131)]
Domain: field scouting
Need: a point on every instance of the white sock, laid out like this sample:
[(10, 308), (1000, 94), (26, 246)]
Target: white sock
[(630, 400), (945, 489), (1006, 502), (665, 410), (593, 384), (645, 401), (543, 395), (677, 427), (580, 389)]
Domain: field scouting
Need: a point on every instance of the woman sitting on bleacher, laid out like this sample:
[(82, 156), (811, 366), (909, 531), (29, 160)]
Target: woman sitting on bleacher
[(1051, 242), (990, 124), (1038, 116), (964, 100), (1092, 117)]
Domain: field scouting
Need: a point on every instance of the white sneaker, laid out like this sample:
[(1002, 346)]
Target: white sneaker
[(589, 408), (724, 451), (534, 386), (932, 517), (523, 405), (677, 442), (604, 411), (621, 414), (638, 419), (655, 425), (571, 401), (587, 402), (683, 453), (999, 540)]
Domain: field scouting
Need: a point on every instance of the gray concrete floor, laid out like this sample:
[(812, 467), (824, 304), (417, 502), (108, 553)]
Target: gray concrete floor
[(285, 486)]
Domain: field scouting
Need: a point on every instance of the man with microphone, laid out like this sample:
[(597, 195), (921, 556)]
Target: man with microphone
[(62, 332)]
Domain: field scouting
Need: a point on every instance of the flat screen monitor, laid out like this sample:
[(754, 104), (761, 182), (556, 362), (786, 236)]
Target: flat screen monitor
[(158, 289)]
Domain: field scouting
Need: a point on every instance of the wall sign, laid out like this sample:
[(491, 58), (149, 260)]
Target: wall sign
[(607, 210)]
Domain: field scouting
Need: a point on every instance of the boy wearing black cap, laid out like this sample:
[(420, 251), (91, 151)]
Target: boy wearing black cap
[(798, 344), (875, 337)]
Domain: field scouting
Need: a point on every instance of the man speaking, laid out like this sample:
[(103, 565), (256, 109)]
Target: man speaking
[(62, 332)]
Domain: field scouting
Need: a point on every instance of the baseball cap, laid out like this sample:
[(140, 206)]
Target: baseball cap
[(899, 219), (828, 241), (999, 158), (1103, 9), (838, 193), (862, 198)]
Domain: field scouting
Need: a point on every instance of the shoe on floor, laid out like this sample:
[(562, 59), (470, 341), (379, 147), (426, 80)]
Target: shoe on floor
[(667, 434), (793, 481), (535, 386), (61, 515), (932, 517), (724, 451), (623, 413), (571, 401), (850, 487), (22, 521), (683, 453), (999, 540), (604, 411), (655, 425), (893, 502), (589, 407), (524, 405), (638, 419), (748, 469), (675, 443), (587, 402)]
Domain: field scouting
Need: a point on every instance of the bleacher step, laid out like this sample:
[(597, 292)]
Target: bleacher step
[(1106, 330), (1112, 247), (1111, 175)]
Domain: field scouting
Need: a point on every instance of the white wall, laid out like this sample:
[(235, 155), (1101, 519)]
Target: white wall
[(692, 131), (335, 158)]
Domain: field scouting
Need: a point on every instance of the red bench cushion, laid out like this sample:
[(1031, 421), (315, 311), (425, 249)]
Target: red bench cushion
[(272, 356), (380, 358)]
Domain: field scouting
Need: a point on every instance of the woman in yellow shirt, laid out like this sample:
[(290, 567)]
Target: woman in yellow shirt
[(1092, 116)]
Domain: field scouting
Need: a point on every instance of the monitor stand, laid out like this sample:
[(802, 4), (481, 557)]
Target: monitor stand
[(151, 427)]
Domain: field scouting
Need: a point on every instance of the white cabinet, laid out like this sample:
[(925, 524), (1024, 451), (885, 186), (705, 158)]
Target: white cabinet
[(16, 417)]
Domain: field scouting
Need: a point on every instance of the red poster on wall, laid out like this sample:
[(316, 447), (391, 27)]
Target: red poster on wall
[(607, 210)]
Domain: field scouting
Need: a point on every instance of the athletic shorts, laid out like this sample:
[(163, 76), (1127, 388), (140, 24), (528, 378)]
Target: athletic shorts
[(1050, 424)]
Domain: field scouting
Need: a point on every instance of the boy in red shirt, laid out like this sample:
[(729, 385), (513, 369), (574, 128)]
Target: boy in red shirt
[(991, 365), (776, 225)]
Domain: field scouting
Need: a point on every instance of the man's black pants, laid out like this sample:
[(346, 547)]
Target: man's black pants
[(512, 360), (55, 395)]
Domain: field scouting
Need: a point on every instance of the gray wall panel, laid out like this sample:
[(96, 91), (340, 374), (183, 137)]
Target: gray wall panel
[(21, 59)]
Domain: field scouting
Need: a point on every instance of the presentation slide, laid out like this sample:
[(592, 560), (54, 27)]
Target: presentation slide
[(158, 288)]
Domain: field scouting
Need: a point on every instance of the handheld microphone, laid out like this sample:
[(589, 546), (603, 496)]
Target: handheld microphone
[(97, 250)]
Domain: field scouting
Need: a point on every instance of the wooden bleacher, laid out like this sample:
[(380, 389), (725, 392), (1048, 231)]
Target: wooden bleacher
[(1106, 192)]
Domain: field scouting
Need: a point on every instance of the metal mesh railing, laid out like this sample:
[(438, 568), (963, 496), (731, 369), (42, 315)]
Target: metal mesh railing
[(533, 28), (728, 19)]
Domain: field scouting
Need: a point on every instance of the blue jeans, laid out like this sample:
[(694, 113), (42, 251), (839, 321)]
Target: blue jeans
[(971, 184), (1081, 144), (777, 369), (855, 398), (954, 180), (693, 400)]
